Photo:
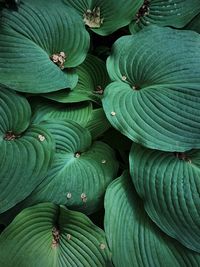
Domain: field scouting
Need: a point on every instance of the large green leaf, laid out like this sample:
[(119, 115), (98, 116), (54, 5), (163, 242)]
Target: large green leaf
[(194, 25), (81, 170), (92, 80), (153, 99), (169, 185), (133, 238), (82, 113), (49, 235), (25, 150), (44, 109), (30, 36), (98, 123), (175, 13), (105, 17)]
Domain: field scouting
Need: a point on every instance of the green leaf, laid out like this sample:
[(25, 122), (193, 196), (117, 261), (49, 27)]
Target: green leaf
[(133, 238), (47, 110), (105, 17), (92, 80), (194, 25), (98, 123), (82, 113), (175, 13), (81, 170), (169, 185), (153, 99), (26, 151), (30, 36), (49, 235)]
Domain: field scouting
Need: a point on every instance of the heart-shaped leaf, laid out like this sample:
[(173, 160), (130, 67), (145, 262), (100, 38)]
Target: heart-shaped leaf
[(36, 44), (169, 185), (133, 238), (26, 151), (81, 170), (105, 17), (49, 235), (175, 13), (92, 80), (153, 99)]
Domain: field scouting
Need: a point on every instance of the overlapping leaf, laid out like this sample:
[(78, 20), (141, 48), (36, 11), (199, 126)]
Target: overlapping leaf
[(49, 235), (30, 36), (82, 113), (153, 99), (175, 13), (105, 17), (44, 109), (194, 25), (81, 170), (26, 151), (133, 238), (92, 80), (169, 185)]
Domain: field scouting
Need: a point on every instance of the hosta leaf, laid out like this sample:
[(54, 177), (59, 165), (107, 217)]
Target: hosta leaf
[(194, 25), (82, 113), (169, 185), (98, 123), (175, 13), (133, 238), (49, 235), (153, 99), (93, 78), (105, 17), (121, 144), (45, 110), (25, 150), (81, 170), (30, 36)]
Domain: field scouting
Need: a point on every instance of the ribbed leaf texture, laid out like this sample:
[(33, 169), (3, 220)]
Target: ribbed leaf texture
[(80, 173), (49, 235), (83, 113), (153, 99), (30, 36), (133, 238), (169, 185), (175, 13), (111, 15), (92, 80), (26, 151)]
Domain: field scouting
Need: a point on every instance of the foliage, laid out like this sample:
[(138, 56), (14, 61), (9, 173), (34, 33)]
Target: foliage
[(90, 91)]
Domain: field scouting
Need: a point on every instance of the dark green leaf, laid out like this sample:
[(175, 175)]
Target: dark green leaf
[(169, 185), (133, 238), (26, 151), (49, 235), (30, 36), (175, 13), (92, 80), (105, 17), (153, 99)]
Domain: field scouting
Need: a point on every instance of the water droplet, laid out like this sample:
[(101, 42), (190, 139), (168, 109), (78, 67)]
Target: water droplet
[(103, 161), (113, 113), (124, 78)]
